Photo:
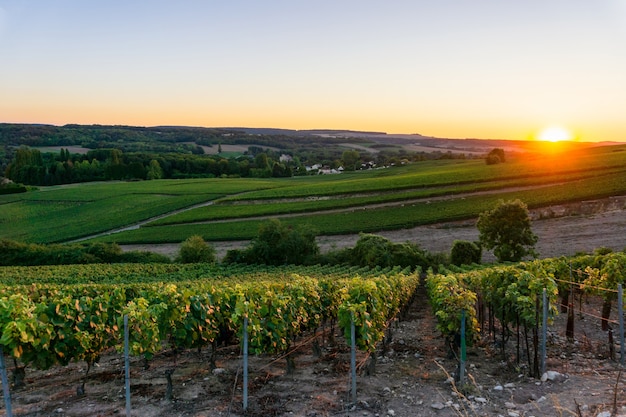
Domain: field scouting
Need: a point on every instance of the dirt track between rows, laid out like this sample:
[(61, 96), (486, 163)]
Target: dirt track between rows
[(562, 230)]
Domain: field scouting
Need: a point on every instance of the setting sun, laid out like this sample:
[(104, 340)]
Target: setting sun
[(554, 134)]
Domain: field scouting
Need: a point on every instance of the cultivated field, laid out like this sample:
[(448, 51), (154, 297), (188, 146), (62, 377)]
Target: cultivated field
[(230, 209)]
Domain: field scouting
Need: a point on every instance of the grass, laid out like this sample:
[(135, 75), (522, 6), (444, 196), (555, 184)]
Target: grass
[(63, 213)]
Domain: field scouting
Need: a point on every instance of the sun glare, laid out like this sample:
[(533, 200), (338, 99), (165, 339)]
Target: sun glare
[(554, 134)]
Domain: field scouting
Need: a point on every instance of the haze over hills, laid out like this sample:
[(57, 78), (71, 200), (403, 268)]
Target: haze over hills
[(416, 140)]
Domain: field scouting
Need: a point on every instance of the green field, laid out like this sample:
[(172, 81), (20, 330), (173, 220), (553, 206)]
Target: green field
[(365, 201)]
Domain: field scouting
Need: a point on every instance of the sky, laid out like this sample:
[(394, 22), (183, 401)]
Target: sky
[(499, 69)]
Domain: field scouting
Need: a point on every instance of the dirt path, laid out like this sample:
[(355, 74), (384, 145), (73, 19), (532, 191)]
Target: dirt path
[(369, 206), (142, 223), (562, 230)]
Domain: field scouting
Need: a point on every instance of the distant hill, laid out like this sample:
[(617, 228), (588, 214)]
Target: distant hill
[(171, 138)]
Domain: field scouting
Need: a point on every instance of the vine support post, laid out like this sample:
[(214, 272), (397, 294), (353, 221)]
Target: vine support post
[(5, 386), (620, 312), (126, 365), (544, 332), (245, 363), (353, 357), (463, 349)]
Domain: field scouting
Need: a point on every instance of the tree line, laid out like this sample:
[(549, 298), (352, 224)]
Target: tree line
[(127, 153), (32, 167)]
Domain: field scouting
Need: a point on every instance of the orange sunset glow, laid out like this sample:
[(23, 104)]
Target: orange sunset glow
[(555, 134), (492, 70)]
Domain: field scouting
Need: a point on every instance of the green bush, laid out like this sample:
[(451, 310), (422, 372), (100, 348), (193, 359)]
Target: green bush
[(14, 253), (235, 256), (194, 250), (278, 244), (13, 189), (105, 252), (143, 257), (495, 156), (465, 253), (373, 250)]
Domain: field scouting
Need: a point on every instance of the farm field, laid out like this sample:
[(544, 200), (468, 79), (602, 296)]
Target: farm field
[(226, 209)]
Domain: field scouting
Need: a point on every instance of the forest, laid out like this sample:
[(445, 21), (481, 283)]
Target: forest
[(51, 155)]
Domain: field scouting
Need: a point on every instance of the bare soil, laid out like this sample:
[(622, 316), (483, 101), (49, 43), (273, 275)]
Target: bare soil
[(412, 375)]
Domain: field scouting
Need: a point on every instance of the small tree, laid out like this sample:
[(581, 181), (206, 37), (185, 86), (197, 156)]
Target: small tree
[(506, 229), (465, 253), (351, 159), (495, 156), (154, 172), (194, 249)]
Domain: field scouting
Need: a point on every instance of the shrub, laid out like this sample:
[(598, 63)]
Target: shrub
[(495, 156), (278, 244), (194, 250), (14, 253), (235, 256), (465, 253), (105, 252), (373, 250), (143, 257)]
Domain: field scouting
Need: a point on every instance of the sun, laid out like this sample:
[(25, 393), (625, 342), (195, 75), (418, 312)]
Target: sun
[(554, 134)]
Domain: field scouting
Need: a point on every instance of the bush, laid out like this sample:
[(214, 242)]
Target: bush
[(195, 250), (9, 187), (105, 252), (278, 244), (235, 256), (495, 156), (465, 253), (26, 254), (13, 189), (14, 253), (373, 250), (143, 257)]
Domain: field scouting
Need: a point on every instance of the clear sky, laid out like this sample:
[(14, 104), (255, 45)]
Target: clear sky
[(483, 69)]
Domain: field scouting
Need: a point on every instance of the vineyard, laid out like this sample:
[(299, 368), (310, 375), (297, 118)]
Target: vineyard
[(220, 209), (61, 316), (47, 323), (511, 296)]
